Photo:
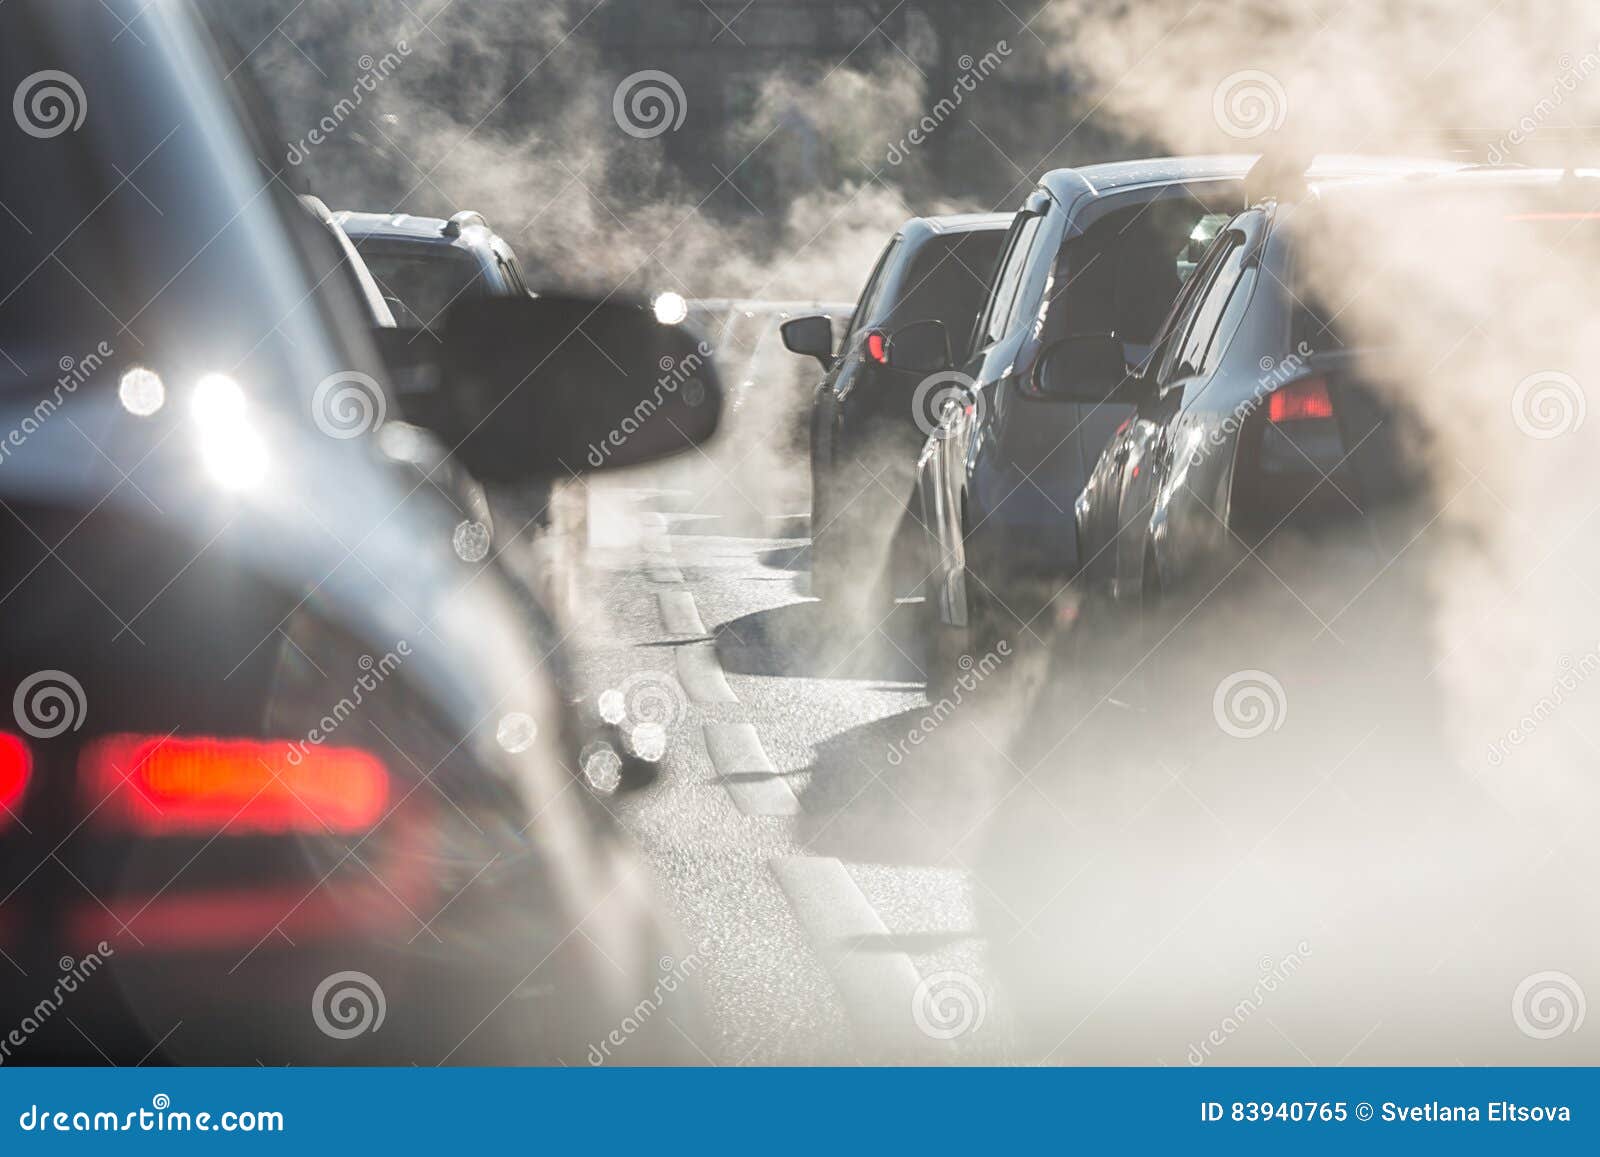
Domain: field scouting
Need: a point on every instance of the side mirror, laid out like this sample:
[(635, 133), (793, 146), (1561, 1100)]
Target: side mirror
[(810, 337), (1090, 368), (533, 388), (923, 347)]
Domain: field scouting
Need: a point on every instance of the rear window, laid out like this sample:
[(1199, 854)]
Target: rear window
[(949, 281), (426, 281), (1123, 275)]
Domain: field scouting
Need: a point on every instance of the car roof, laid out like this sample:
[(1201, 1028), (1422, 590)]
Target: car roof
[(1098, 180), (919, 230), (968, 222), (1467, 179), (466, 230), (400, 226)]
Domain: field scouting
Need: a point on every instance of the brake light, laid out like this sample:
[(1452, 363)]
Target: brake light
[(177, 786), (16, 765), (1299, 401), (877, 347)]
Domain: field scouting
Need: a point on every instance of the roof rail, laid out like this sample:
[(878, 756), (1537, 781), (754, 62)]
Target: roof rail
[(465, 219)]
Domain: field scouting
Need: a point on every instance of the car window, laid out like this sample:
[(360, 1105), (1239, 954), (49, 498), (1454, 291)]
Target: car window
[(1175, 330), (426, 280), (949, 281), (1228, 323), (870, 295), (1123, 275), (1009, 278), (1209, 301)]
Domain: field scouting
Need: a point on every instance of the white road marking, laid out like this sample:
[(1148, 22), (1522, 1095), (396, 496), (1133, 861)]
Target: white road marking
[(679, 615), (876, 987), (701, 674), (747, 772), (666, 574)]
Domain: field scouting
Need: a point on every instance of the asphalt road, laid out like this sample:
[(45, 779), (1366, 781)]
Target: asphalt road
[(821, 881)]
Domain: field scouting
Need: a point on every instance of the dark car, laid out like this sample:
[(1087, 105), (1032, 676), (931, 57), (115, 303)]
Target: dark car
[(1256, 419), (426, 264), (1104, 248), (869, 418), (281, 771), (1265, 715)]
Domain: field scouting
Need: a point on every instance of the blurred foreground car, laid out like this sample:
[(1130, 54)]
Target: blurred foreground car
[(867, 415), (1101, 249), (281, 782)]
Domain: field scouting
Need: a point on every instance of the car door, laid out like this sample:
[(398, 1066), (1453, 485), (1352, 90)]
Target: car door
[(1141, 456), (997, 337)]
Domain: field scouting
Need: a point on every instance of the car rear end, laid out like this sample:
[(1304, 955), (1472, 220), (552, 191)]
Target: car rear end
[(284, 779)]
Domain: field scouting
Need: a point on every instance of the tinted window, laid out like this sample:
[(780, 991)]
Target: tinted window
[(1211, 301), (1002, 301), (949, 281), (1123, 275), (1180, 323), (1228, 323), (427, 281), (871, 294)]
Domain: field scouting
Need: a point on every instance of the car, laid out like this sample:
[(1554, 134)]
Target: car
[(425, 264), (1099, 248), (868, 417), (1255, 420), (282, 779), (1307, 556)]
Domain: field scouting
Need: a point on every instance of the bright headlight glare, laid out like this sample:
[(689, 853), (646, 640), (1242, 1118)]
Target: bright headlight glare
[(233, 451), (671, 308), (141, 392)]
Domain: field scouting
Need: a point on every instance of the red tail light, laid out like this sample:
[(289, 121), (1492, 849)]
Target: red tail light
[(16, 765), (1298, 401), (877, 347), (183, 786)]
